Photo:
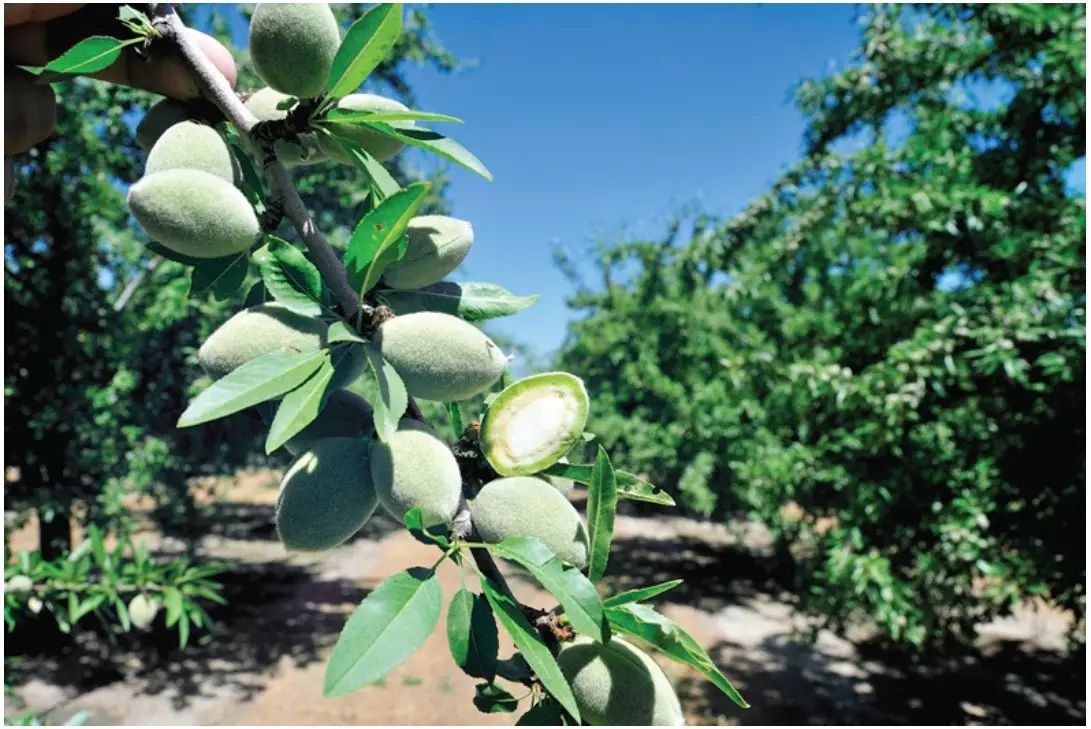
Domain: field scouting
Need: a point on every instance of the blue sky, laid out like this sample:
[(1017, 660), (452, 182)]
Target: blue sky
[(600, 119)]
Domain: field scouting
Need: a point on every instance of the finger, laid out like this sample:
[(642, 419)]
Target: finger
[(30, 111), (18, 13)]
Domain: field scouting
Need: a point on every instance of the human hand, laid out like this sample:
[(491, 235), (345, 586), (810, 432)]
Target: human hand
[(34, 34)]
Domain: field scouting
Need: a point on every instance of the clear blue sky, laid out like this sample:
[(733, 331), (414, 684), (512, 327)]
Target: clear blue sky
[(596, 119)]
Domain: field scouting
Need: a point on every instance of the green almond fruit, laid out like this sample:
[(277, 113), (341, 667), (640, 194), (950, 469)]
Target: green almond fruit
[(194, 213), (617, 684), (19, 585), (345, 415), (142, 611), (256, 331), (326, 495), (529, 507), (436, 245), (533, 422), (377, 144), (193, 146), (417, 469), (292, 46), (440, 357), (263, 105)]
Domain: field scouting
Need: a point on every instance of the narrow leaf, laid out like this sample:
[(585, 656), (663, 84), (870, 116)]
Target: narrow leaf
[(379, 231), (414, 522), (472, 301), (628, 485), (340, 331), (640, 594), (601, 509), (351, 116), (454, 415), (530, 644), (545, 713), (472, 634), (299, 407), (222, 277), (437, 144), (575, 592), (392, 398), (669, 637), (262, 378), (492, 699), (381, 183), (368, 42), (290, 277), (390, 624), (90, 55)]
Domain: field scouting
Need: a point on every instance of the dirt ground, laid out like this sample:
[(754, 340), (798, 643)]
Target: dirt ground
[(263, 662)]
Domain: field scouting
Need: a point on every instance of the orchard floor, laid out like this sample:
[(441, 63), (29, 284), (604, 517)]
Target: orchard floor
[(263, 662)]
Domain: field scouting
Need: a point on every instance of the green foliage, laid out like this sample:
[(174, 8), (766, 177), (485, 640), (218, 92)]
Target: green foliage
[(882, 358), (96, 581)]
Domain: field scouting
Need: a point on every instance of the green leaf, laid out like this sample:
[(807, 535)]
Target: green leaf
[(601, 509), (340, 331), (253, 185), (454, 416), (628, 485), (514, 669), (379, 231), (545, 713), (472, 635), (534, 651), (436, 143), (669, 637), (351, 116), (390, 624), (414, 522), (290, 277), (222, 277), (392, 398), (640, 594), (299, 407), (492, 699), (367, 43), (172, 601), (90, 55), (262, 378), (575, 592), (472, 301), (161, 250), (257, 295), (381, 184)]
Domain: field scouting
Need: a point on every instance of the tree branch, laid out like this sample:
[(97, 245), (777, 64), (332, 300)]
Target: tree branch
[(217, 90)]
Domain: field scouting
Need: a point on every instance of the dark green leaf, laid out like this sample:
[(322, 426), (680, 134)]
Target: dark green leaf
[(299, 407), (258, 380), (257, 295), (472, 635), (380, 182), (454, 415), (379, 231), (392, 398), (436, 143), (669, 637), (390, 624), (628, 485), (223, 277), (472, 301), (368, 42), (172, 601), (545, 713), (492, 699), (575, 592), (161, 250), (640, 594), (514, 669), (534, 651), (290, 277), (253, 185), (601, 509)]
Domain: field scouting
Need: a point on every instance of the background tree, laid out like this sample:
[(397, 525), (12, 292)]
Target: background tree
[(882, 358)]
